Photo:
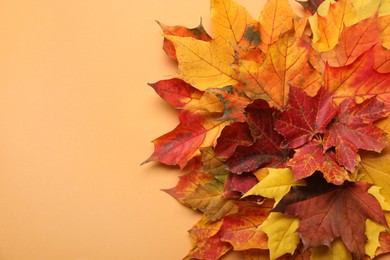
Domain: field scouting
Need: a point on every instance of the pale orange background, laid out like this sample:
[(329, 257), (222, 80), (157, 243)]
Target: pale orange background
[(76, 120)]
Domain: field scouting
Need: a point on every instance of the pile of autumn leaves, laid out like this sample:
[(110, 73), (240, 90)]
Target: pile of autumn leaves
[(283, 129)]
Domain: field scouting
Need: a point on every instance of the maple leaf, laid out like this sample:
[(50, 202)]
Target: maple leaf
[(311, 157), (209, 198), (211, 248), (198, 33), (353, 130), (359, 80), (233, 24), (236, 185), (213, 165), (266, 150), (282, 235), (232, 136), (381, 59), (183, 143), (354, 41), (203, 64), (177, 92), (286, 63), (275, 19), (275, 185), (375, 167), (306, 117), (327, 211), (242, 231), (190, 181), (384, 24)]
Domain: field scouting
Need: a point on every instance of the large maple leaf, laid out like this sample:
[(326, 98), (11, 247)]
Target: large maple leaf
[(353, 130), (328, 211)]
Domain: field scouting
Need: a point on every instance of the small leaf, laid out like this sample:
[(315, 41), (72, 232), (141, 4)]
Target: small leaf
[(311, 157), (282, 235), (275, 185)]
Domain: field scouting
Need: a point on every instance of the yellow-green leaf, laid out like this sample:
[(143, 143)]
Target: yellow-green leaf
[(281, 232), (276, 184), (203, 64)]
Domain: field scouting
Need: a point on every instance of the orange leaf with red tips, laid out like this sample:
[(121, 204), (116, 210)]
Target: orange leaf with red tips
[(353, 130), (354, 41), (359, 80), (327, 212)]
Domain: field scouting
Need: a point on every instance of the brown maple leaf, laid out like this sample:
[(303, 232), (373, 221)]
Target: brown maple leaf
[(328, 211)]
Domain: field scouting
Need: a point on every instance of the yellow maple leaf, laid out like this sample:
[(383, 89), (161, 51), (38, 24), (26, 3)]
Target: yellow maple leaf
[(230, 20), (275, 19), (203, 64), (275, 185), (281, 232), (384, 26)]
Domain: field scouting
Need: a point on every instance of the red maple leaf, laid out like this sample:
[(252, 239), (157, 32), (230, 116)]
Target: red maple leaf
[(352, 129), (305, 117), (266, 149), (328, 211)]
